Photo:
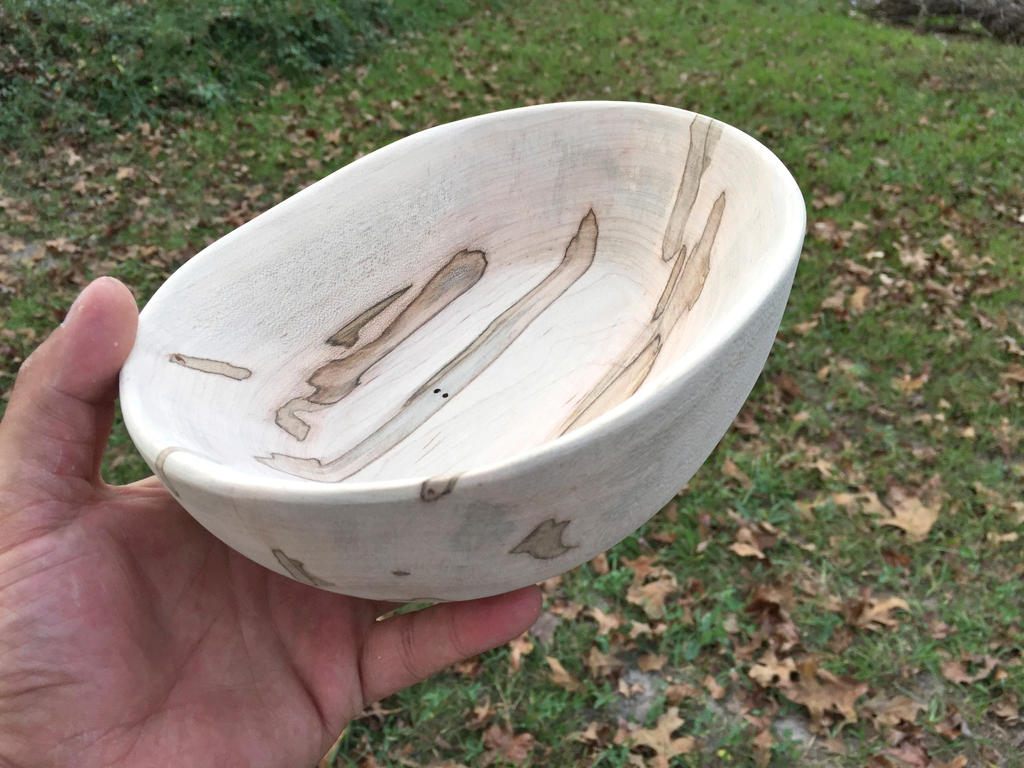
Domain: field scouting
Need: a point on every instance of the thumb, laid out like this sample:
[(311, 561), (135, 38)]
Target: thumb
[(62, 406)]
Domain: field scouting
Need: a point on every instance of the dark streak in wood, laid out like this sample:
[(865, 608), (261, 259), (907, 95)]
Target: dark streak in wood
[(545, 541), (348, 335), (205, 365), (436, 487), (337, 378), (704, 136), (297, 570), (455, 375), (683, 288), (614, 387), (689, 282), (401, 573)]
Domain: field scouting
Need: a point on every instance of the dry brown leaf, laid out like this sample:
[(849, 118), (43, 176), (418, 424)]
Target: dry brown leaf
[(659, 739), (125, 172), (826, 696), (802, 329), (519, 647), (910, 513), (908, 384), (600, 564), (729, 469), (652, 662), (763, 747), (746, 545), (769, 606), (560, 677), (956, 671), (651, 597), (867, 612), (482, 713), (677, 692), (770, 672), (717, 692), (602, 664), (890, 712), (595, 734), (606, 622), (641, 566), (1001, 538), (1007, 708), (502, 743), (859, 300), (638, 629)]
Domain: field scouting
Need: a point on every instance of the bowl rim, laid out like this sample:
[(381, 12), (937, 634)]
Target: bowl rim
[(195, 469)]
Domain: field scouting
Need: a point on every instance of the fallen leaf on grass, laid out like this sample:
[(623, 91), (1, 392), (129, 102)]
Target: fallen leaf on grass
[(651, 596), (752, 539), (652, 662), (910, 513), (606, 622), (731, 470), (956, 671), (659, 739), (770, 672), (769, 606), (560, 677), (717, 692), (859, 300), (1001, 538), (802, 329), (867, 612), (602, 665), (907, 383), (746, 545), (596, 734), (677, 692), (481, 715), (1007, 708), (763, 747), (519, 647), (503, 744), (828, 698), (890, 712)]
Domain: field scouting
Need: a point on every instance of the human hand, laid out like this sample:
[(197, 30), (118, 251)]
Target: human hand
[(131, 636)]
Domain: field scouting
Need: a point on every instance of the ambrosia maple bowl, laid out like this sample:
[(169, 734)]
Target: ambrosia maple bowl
[(474, 358)]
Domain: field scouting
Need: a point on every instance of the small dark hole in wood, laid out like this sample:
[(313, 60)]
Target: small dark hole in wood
[(436, 391), (445, 395)]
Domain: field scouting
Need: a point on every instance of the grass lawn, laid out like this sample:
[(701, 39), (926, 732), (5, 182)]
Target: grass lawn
[(842, 583)]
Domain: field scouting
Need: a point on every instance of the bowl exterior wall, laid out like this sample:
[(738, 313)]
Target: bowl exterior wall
[(496, 530)]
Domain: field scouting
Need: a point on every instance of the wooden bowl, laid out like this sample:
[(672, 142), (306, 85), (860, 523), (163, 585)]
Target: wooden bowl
[(474, 358)]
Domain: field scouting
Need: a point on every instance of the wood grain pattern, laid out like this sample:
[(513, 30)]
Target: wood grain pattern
[(704, 136), (298, 571), (336, 379), (455, 375), (216, 367), (443, 377), (683, 288), (348, 334), (545, 542)]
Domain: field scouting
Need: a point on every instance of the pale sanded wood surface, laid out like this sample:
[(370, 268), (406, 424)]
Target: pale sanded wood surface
[(525, 300)]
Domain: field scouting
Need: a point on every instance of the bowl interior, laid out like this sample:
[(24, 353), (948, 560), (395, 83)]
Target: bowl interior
[(461, 296)]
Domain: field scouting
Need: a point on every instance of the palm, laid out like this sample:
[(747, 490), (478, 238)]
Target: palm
[(130, 632)]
